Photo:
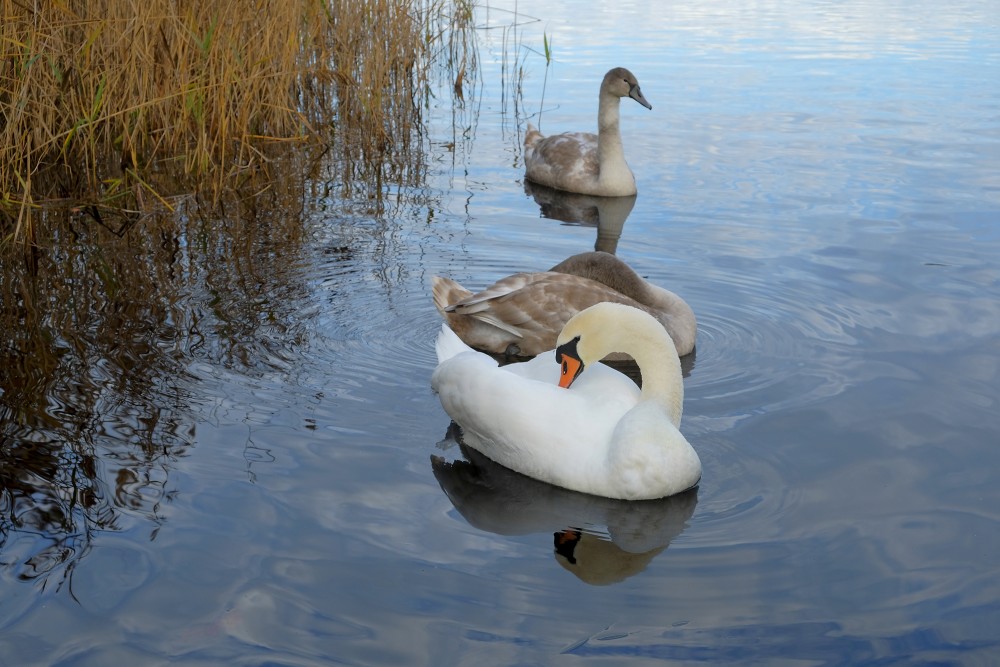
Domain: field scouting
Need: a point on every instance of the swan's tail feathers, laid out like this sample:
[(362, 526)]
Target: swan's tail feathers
[(532, 135), (448, 344), (446, 292)]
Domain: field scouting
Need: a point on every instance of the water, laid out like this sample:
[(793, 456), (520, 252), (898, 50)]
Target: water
[(820, 181)]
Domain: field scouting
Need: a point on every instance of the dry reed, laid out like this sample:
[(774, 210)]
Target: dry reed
[(115, 111), (106, 102)]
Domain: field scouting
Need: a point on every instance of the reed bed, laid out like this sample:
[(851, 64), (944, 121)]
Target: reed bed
[(215, 124), (124, 104)]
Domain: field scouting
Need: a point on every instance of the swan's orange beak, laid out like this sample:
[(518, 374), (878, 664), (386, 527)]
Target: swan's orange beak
[(569, 360), (571, 367)]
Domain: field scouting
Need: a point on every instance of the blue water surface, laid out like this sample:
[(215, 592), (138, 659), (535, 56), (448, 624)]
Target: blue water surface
[(820, 181)]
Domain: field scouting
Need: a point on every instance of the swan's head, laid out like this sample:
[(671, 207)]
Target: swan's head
[(623, 83), (596, 332)]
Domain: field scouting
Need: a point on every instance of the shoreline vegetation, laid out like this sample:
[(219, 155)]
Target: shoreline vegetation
[(117, 109), (164, 166)]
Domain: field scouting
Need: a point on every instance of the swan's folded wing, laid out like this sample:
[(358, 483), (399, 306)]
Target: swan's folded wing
[(513, 408), (563, 158), (491, 318), (534, 427), (448, 344), (503, 287)]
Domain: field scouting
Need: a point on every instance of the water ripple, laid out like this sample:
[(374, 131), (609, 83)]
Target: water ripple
[(757, 346), (375, 331)]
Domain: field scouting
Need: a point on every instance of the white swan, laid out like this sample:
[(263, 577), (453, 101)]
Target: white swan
[(522, 314), (601, 436), (583, 162)]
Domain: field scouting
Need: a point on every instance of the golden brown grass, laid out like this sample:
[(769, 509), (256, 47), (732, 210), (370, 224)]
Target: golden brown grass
[(117, 102)]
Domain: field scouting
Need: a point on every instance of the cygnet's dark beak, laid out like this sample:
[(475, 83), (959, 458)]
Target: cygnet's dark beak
[(637, 95)]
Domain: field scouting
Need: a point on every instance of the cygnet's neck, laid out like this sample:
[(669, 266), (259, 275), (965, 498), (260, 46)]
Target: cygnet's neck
[(609, 137)]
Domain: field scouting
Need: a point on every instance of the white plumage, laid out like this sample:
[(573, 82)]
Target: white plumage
[(602, 435)]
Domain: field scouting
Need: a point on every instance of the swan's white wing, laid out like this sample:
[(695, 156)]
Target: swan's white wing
[(518, 416), (448, 344)]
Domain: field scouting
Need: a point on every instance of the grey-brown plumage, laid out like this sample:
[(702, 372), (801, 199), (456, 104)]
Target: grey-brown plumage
[(584, 162), (522, 314)]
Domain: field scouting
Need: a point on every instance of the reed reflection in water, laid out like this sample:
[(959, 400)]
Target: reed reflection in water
[(117, 323), (104, 336)]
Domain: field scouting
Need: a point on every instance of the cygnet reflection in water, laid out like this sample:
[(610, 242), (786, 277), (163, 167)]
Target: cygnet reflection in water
[(608, 214)]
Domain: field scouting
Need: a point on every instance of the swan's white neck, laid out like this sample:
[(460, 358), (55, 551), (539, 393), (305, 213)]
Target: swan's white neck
[(662, 380), (640, 336)]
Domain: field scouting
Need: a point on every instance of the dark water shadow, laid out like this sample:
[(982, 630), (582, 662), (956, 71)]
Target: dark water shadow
[(607, 214), (108, 344), (631, 369), (600, 540), (626, 366)]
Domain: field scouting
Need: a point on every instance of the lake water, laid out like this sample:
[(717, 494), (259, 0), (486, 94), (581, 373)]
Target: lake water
[(820, 181)]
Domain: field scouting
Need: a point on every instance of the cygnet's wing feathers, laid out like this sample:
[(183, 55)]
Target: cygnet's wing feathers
[(532, 136), (477, 302), (562, 159), (490, 318), (551, 299), (484, 305), (529, 309), (447, 291)]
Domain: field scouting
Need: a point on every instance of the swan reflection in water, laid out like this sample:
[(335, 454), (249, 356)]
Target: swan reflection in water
[(600, 540), (608, 214)]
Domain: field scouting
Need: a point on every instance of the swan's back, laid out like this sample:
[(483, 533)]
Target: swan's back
[(518, 415)]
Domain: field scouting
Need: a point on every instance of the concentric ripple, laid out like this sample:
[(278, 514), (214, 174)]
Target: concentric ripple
[(765, 341), (376, 333)]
